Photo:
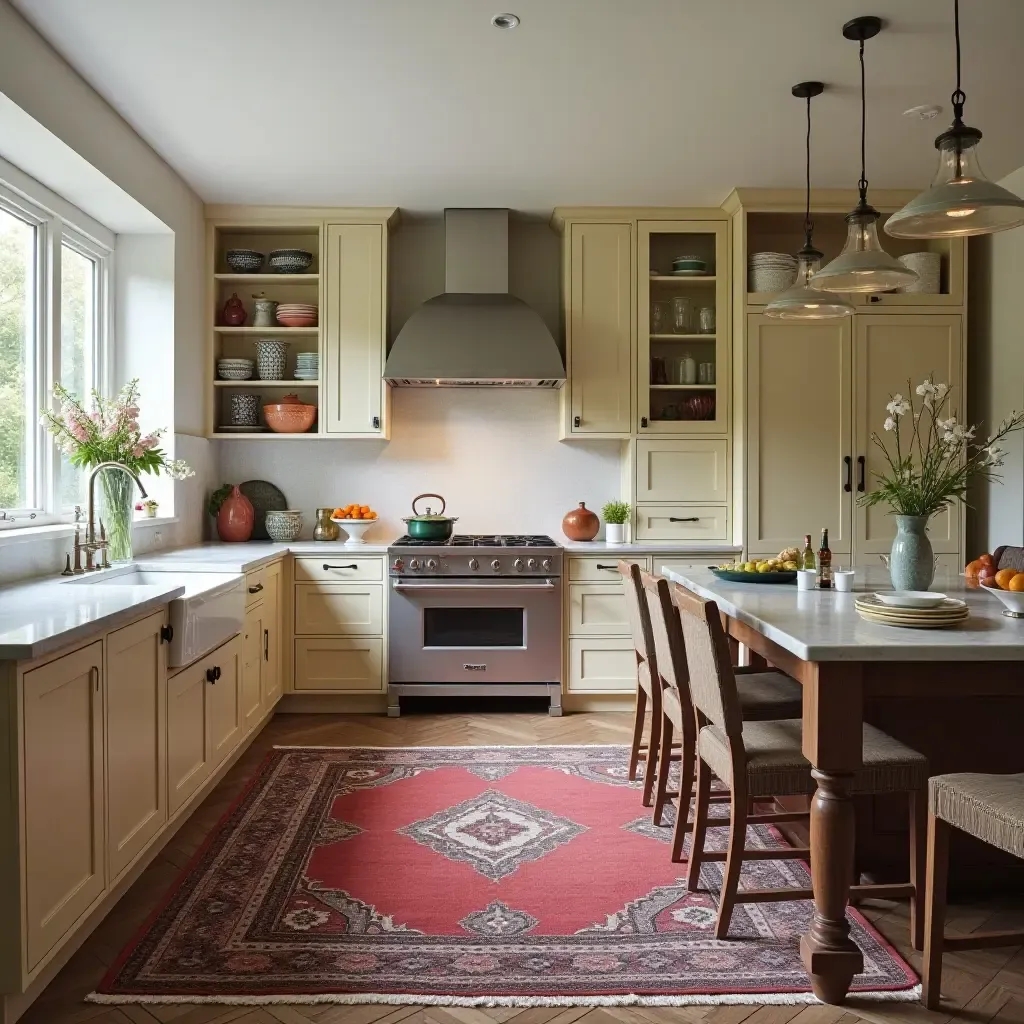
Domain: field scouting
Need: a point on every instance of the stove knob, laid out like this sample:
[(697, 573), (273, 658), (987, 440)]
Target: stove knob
[(431, 563), (531, 563), (399, 565), (474, 564), (546, 565), (495, 565), (518, 565), (414, 563)]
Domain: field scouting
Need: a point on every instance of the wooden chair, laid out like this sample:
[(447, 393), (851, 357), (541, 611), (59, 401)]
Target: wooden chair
[(990, 808), (759, 759), (769, 694)]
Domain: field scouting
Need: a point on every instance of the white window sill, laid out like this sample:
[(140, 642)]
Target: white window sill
[(21, 535)]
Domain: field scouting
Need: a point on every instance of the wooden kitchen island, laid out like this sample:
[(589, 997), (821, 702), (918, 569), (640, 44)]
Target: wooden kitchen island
[(848, 667)]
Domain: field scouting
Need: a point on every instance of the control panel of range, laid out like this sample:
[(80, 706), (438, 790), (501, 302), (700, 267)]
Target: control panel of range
[(509, 564)]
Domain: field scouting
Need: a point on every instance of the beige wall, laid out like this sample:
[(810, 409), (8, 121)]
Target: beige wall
[(996, 376)]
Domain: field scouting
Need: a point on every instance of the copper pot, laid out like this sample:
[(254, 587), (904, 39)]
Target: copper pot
[(581, 523)]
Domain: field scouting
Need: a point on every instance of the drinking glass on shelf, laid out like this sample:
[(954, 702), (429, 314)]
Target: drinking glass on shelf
[(707, 320), (661, 317), (681, 308), (658, 370), (706, 373)]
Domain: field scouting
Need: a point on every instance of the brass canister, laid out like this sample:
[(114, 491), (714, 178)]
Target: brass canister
[(325, 529)]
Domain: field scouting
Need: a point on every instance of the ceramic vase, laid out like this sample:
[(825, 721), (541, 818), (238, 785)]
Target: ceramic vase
[(615, 533), (236, 517), (117, 510), (911, 564), (581, 523)]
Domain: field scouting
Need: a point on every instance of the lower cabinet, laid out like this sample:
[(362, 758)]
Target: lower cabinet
[(330, 664), (64, 843), (272, 676), (602, 665), (251, 688)]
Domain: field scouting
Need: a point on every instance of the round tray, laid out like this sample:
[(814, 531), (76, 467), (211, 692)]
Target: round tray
[(734, 576)]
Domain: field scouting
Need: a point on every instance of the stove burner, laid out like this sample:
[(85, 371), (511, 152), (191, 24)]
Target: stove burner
[(481, 540)]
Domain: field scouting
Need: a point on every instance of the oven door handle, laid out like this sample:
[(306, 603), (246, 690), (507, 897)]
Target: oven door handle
[(410, 586)]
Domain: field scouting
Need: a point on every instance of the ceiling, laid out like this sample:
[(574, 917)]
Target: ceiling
[(423, 104)]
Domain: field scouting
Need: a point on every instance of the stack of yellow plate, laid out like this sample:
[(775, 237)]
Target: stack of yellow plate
[(948, 613)]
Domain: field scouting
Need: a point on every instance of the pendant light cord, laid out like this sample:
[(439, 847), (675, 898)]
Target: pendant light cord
[(863, 183), (959, 97), (808, 223)]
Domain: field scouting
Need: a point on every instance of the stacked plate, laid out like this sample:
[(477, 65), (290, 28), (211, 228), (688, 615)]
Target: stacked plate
[(770, 271), (307, 366), (297, 314), (913, 610)]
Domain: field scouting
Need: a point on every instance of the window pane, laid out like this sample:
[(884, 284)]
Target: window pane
[(77, 348), (17, 350)]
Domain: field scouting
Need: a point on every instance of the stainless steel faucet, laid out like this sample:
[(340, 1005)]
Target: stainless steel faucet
[(91, 544)]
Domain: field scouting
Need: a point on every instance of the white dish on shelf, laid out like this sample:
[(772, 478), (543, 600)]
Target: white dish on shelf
[(911, 599)]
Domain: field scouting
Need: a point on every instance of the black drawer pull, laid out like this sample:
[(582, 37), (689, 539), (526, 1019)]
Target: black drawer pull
[(256, 589), (688, 519), (860, 473), (643, 421), (848, 486), (266, 645), (166, 634), (326, 567), (614, 568)]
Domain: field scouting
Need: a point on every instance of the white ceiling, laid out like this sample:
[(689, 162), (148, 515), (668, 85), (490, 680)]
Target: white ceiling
[(422, 103)]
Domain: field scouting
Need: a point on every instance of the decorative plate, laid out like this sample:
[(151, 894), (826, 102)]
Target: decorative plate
[(735, 576), (265, 497), (911, 599)]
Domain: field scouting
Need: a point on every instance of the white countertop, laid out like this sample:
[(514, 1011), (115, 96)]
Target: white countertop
[(220, 557), (823, 625), (601, 547)]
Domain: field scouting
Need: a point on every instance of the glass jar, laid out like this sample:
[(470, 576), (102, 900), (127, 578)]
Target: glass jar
[(687, 369), (324, 528), (681, 313), (707, 320), (661, 317)]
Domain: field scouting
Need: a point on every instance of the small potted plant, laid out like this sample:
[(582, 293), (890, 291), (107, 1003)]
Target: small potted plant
[(615, 515), (149, 507)]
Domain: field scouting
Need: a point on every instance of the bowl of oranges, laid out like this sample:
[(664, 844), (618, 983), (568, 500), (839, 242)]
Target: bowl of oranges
[(355, 520), (1005, 584)]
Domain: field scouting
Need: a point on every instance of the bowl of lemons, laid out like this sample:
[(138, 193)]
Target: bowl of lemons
[(760, 570)]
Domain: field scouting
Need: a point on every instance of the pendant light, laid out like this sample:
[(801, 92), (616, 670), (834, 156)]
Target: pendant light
[(800, 301), (863, 266), (961, 200)]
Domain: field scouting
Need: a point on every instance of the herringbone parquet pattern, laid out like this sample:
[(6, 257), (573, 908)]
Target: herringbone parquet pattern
[(979, 986)]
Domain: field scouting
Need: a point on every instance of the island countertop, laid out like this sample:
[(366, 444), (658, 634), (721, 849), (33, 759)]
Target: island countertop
[(823, 625)]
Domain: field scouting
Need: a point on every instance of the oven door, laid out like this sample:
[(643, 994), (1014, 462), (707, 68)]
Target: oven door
[(466, 630)]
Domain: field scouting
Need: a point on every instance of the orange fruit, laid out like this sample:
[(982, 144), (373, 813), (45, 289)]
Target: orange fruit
[(1017, 583), (973, 568), (339, 513), (987, 559), (1003, 578)]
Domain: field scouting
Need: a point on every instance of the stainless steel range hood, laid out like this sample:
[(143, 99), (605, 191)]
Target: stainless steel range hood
[(475, 334)]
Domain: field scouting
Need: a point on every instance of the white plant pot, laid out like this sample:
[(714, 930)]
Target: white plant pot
[(615, 533)]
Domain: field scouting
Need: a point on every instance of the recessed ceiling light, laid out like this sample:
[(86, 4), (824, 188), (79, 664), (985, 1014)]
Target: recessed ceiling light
[(926, 111), (505, 20)]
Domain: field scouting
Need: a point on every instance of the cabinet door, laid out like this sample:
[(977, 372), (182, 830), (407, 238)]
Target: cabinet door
[(670, 399), (356, 300), (345, 609), (251, 683), (602, 665), (694, 470), (889, 352), (63, 765), (799, 452), (598, 329), (272, 626), (339, 666), (188, 747), (136, 704), (597, 609), (223, 703)]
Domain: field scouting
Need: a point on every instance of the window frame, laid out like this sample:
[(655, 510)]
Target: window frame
[(57, 223)]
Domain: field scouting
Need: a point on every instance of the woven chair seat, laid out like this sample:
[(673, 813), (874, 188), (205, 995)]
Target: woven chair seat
[(776, 766), (988, 807)]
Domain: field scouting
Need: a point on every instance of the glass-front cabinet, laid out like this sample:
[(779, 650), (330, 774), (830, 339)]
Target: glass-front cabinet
[(682, 327)]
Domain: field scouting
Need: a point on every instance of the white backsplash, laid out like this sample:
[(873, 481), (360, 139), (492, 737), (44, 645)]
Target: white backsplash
[(493, 454)]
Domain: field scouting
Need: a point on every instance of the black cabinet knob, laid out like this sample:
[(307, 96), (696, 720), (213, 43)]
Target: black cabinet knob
[(166, 634), (576, 421)]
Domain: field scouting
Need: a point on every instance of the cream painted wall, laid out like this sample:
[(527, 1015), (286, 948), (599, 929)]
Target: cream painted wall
[(996, 376)]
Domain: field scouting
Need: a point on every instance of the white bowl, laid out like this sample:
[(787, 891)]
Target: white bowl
[(1013, 599), (911, 599), (355, 528)]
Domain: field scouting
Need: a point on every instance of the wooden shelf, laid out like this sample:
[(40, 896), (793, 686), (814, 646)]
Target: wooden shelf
[(682, 387), (268, 278), (266, 331), (266, 383), (683, 278), (265, 435), (683, 337)]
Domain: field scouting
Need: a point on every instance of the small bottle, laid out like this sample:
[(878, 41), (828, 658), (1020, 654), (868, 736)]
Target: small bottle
[(824, 562), (807, 555)]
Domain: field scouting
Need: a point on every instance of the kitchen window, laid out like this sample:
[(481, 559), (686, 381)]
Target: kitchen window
[(54, 325)]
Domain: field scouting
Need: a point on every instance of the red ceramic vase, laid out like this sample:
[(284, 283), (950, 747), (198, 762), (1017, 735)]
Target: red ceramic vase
[(234, 312), (236, 517), (581, 523)]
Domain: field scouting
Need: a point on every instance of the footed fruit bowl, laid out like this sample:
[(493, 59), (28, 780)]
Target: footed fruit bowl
[(1013, 599), (355, 528)]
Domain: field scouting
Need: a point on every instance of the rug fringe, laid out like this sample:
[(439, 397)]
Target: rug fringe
[(909, 995)]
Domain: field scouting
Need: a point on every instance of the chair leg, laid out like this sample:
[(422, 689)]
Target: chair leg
[(686, 770), (700, 824), (918, 830), (653, 745), (734, 857), (664, 763), (936, 876), (638, 730)]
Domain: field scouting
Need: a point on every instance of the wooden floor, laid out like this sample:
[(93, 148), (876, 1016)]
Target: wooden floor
[(979, 986)]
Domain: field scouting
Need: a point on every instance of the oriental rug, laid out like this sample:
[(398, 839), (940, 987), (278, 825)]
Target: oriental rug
[(516, 876)]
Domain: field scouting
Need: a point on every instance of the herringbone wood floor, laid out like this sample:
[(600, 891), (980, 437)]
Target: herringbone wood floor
[(980, 986)]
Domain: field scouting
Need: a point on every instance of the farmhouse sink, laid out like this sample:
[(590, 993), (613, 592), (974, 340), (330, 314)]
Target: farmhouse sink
[(210, 612)]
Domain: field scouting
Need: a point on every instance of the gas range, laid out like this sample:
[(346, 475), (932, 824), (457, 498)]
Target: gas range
[(473, 555)]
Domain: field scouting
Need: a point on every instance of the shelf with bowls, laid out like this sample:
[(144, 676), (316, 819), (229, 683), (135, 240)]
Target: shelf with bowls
[(266, 331), (682, 279), (297, 382), (233, 278)]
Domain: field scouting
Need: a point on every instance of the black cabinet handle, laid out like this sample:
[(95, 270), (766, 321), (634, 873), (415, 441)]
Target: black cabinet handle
[(256, 589), (875, 298), (326, 567), (166, 634), (213, 674), (266, 645), (643, 421), (688, 519), (576, 421), (848, 485), (860, 472), (614, 568), (376, 423)]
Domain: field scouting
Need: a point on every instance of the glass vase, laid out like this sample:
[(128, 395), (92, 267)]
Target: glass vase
[(116, 512), (911, 564)]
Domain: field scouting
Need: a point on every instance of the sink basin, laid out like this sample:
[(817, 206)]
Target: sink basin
[(210, 612)]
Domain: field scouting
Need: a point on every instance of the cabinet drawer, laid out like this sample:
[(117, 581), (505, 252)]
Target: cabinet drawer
[(682, 522), (597, 609), (339, 567), (691, 470), (340, 608), (255, 585), (602, 666), (342, 666), (601, 570)]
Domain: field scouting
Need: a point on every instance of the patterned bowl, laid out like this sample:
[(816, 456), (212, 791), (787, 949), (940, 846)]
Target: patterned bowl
[(288, 418), (235, 369), (296, 320), (290, 261), (244, 261), (285, 526)]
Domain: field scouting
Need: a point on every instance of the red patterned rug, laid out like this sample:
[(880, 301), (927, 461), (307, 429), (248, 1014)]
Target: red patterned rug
[(518, 876)]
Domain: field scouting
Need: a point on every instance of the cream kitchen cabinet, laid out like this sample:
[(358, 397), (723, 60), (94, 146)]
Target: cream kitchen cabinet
[(345, 609), (251, 685), (601, 665), (598, 273), (261, 671), (272, 673), (339, 665)]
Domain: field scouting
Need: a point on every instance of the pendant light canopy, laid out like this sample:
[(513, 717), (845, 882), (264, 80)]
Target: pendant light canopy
[(863, 266), (961, 200), (800, 301)]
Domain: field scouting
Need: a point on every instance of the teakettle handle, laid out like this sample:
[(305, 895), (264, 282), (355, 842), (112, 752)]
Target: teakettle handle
[(439, 498)]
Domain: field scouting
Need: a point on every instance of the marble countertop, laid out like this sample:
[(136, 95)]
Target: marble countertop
[(601, 547), (823, 625), (220, 557)]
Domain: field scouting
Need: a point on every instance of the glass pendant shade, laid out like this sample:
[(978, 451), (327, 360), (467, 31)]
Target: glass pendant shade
[(800, 301), (961, 200), (863, 267)]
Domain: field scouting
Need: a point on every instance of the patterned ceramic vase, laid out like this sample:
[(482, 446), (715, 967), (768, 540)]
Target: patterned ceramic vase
[(911, 564), (236, 517), (271, 358), (244, 410)]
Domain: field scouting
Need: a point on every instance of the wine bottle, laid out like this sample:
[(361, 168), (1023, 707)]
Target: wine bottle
[(824, 562), (807, 557)]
